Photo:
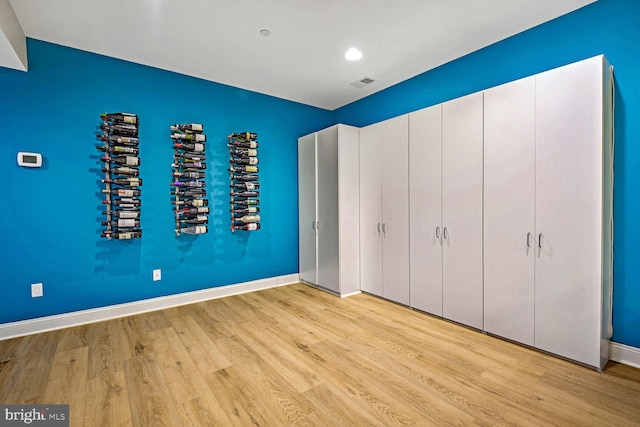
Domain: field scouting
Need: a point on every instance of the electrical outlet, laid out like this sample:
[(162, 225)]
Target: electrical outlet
[(157, 275), (36, 290)]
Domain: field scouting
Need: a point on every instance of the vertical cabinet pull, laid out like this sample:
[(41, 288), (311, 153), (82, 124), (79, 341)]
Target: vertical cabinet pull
[(384, 228), (445, 234), (317, 225), (438, 232), (540, 240), (528, 240), (378, 229)]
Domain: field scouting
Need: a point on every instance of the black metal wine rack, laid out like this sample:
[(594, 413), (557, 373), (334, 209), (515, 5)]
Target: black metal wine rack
[(191, 208), (120, 145), (244, 182)]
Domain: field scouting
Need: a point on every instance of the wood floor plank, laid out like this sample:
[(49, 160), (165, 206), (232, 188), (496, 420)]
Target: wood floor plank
[(295, 355)]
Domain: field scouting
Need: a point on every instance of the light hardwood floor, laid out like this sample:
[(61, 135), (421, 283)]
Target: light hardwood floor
[(295, 355)]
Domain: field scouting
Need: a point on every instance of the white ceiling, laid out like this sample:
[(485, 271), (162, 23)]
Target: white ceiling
[(303, 59)]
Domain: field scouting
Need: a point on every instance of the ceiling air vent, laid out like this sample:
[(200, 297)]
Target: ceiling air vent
[(362, 82)]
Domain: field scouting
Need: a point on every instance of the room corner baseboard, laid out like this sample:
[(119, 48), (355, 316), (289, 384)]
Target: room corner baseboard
[(76, 318), (625, 354)]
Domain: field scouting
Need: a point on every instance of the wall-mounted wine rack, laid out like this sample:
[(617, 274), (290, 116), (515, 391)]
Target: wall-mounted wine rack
[(243, 181), (191, 208), (120, 144)]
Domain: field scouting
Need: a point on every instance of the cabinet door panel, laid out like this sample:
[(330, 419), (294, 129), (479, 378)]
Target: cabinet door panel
[(371, 209), (509, 206), (395, 209), (307, 207), (462, 170), (327, 185), (569, 210), (425, 209)]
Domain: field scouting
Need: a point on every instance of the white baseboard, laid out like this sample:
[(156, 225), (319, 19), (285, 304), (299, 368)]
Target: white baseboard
[(59, 321), (625, 354)]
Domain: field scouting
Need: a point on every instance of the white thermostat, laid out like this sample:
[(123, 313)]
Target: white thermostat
[(30, 160)]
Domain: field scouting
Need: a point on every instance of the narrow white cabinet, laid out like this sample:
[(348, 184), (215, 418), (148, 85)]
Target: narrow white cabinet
[(462, 181), (573, 211), (425, 209), (328, 209), (509, 200), (384, 208)]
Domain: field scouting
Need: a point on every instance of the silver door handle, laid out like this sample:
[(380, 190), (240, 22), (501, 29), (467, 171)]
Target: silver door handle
[(384, 228), (528, 240), (313, 225), (444, 233), (437, 232), (540, 240), (378, 229)]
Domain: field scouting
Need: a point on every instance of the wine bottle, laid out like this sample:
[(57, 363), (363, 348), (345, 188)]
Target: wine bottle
[(243, 169), (117, 149), (119, 129), (129, 182), (246, 227), (189, 165), (189, 184), (246, 202), (196, 137), (123, 192), (244, 160), (123, 235), (244, 144), (189, 127), (247, 210), (245, 185), (200, 219), (244, 177), (124, 201), (196, 147), (245, 136), (244, 152), (192, 202), (123, 223), (122, 160), (126, 118), (248, 218), (188, 174), (122, 171), (244, 194), (123, 213), (198, 229), (196, 157), (116, 139), (192, 192), (193, 211)]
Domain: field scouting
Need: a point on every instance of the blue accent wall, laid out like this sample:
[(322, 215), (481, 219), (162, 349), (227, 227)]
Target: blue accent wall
[(609, 27), (50, 217)]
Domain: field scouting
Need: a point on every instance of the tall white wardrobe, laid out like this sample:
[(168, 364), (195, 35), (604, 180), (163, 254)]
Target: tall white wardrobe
[(328, 195), (493, 210)]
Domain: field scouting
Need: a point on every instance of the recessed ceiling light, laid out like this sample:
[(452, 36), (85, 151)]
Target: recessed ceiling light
[(353, 54), (265, 32)]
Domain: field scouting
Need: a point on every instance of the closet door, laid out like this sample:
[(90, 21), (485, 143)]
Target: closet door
[(327, 208), (462, 169), (307, 207), (569, 205), (395, 209), (425, 209), (509, 206), (371, 209)]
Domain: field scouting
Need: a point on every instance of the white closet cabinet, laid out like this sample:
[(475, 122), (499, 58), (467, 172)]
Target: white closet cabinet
[(548, 197), (384, 209), (328, 209), (425, 209), (509, 199), (462, 181), (573, 211)]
